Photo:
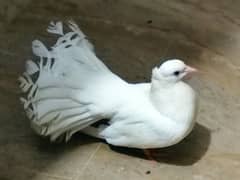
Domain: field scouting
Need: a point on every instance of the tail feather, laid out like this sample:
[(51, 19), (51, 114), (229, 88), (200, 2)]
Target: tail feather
[(39, 49), (63, 113), (31, 67), (53, 102), (55, 28), (50, 105), (73, 128)]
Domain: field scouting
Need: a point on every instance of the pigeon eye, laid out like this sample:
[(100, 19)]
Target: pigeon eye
[(176, 73)]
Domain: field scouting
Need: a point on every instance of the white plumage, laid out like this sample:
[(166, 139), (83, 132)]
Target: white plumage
[(74, 89)]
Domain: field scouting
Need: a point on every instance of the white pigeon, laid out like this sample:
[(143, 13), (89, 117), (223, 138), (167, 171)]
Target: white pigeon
[(69, 89)]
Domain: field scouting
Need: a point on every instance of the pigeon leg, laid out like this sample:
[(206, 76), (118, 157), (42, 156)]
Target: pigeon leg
[(149, 154)]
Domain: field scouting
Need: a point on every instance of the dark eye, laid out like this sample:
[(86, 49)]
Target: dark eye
[(176, 73)]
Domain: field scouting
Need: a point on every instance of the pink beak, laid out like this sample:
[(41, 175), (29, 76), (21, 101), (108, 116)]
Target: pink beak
[(190, 69)]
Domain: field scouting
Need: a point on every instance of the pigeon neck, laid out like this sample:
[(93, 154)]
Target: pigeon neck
[(158, 85), (168, 99), (161, 94)]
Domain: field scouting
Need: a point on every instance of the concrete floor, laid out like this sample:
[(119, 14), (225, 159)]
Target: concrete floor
[(131, 37)]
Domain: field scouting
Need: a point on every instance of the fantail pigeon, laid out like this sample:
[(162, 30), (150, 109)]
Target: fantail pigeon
[(68, 89)]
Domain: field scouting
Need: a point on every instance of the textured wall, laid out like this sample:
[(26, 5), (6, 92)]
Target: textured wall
[(9, 9)]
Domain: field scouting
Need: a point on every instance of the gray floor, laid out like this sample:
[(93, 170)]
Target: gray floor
[(130, 37)]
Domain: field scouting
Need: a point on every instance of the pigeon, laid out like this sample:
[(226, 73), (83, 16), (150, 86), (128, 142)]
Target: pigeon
[(68, 89)]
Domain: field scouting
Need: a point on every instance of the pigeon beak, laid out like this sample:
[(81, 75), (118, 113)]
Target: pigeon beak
[(189, 71)]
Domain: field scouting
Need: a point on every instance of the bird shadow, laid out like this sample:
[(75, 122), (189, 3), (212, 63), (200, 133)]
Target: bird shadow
[(187, 152)]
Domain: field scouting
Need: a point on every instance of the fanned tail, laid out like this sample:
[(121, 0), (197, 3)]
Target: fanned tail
[(53, 102)]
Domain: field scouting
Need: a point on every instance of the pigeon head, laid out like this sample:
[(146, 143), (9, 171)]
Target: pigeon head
[(172, 71)]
